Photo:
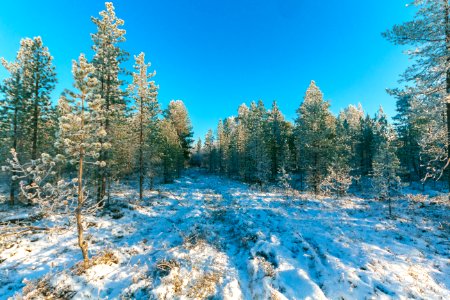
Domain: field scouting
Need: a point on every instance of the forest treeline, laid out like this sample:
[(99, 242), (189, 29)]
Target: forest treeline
[(319, 152), (110, 126)]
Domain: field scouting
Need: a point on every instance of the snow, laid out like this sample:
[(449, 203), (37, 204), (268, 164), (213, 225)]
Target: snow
[(225, 239)]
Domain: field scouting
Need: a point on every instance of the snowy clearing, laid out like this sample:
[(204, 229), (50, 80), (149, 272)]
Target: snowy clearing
[(209, 237)]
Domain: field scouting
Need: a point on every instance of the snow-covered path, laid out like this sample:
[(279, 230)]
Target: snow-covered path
[(207, 236)]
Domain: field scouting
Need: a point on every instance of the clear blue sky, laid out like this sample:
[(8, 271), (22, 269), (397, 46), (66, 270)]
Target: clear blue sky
[(214, 54)]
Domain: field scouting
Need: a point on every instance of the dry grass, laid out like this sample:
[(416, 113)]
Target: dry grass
[(266, 266), (205, 286), (104, 258), (171, 267), (42, 289), (165, 266), (189, 284)]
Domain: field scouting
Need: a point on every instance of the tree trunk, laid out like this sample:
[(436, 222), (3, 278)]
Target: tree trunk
[(390, 207), (35, 119), (99, 170), (447, 41), (448, 146), (12, 190), (103, 154), (78, 212), (141, 153), (35, 123), (81, 242), (316, 175)]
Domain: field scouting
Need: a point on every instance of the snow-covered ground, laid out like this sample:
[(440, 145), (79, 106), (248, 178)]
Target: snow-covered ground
[(209, 237)]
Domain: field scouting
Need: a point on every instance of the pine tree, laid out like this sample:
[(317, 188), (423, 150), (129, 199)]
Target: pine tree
[(315, 136), (80, 127), (210, 151), (232, 150), (350, 124), (339, 178), (144, 94), (222, 146), (386, 165), (177, 113), (409, 127), (14, 111), (429, 36), (258, 162), (39, 80), (107, 60), (196, 159), (171, 150), (365, 147), (277, 134), (240, 140)]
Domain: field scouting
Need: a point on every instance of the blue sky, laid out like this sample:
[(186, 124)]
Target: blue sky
[(214, 54)]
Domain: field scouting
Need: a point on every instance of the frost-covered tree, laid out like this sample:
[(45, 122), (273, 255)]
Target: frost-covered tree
[(284, 181), (410, 127), (171, 150), (349, 129), (427, 80), (107, 60), (223, 142), (277, 135), (13, 116), (210, 151), (257, 168), (81, 126), (232, 152), (177, 113), (339, 178), (365, 146), (5, 137), (48, 194), (315, 131), (144, 92), (385, 179), (39, 79), (239, 142), (196, 158)]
